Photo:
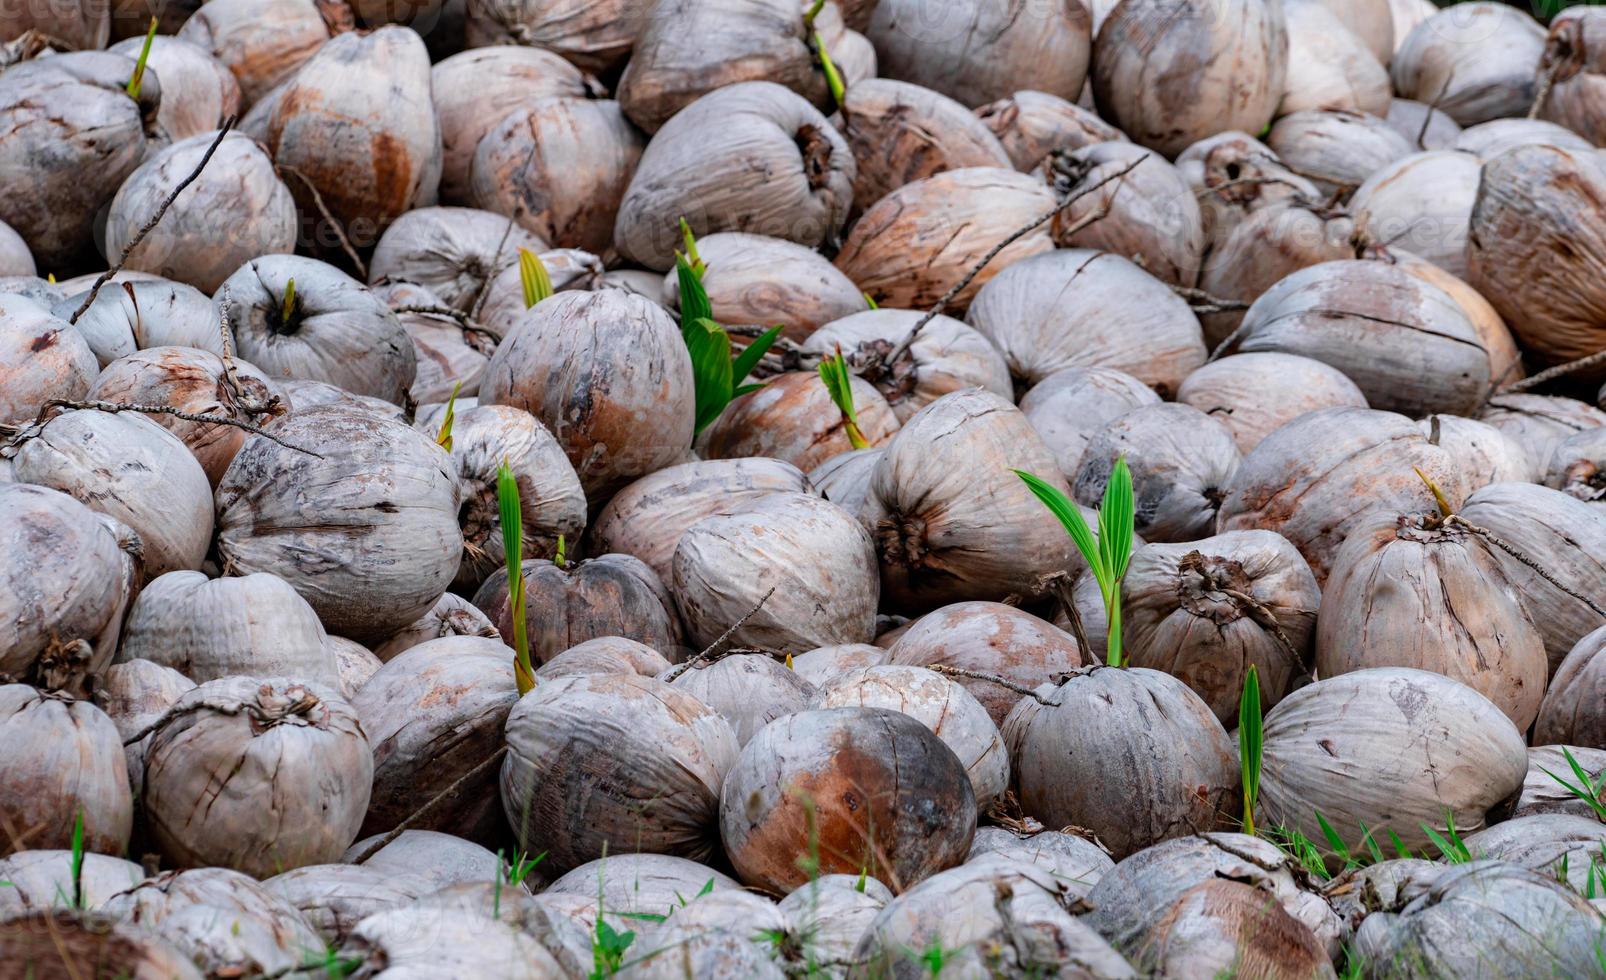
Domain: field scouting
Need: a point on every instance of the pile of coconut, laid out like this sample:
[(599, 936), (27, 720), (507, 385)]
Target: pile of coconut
[(802, 488)]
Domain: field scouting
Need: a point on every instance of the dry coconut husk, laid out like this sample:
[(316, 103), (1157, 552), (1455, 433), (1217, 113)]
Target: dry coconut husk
[(605, 655), (724, 935), (635, 882), (1270, 244), (455, 253), (551, 501), (264, 43), (1255, 394), (1425, 127), (648, 517), (1310, 479), (71, 127), (1232, 175), (1572, 712), (1329, 65), (1541, 793), (822, 665), (396, 526), (900, 132), (785, 173), (1080, 308), (751, 279), (952, 713), (582, 751), (354, 663), (792, 418), (1422, 204), (441, 859), (1424, 749), (76, 26), (1222, 925), (432, 715), (1558, 844), (41, 358), (132, 470), (633, 415), (950, 520), (1495, 137), (595, 36), (68, 767), (357, 122), (1505, 360), (1476, 62), (15, 259), (413, 941), (993, 639), (1031, 124), (1567, 537), (912, 246), (1233, 61), (831, 913), (1181, 459), (882, 793), (41, 292), (61, 944), (844, 479), (1370, 20), (560, 167), (1149, 215), (1336, 149), (319, 394), (812, 560), (1540, 423), (1536, 250), (69, 574), (1077, 862), (198, 91), (451, 353), (978, 52), (239, 188), (1460, 617), (333, 898), (749, 689), (543, 919), (1484, 453), (43, 879), (134, 694), (133, 316), (502, 306), (1578, 467), (1573, 58), (993, 916), (1070, 407), (1174, 774), (610, 595)]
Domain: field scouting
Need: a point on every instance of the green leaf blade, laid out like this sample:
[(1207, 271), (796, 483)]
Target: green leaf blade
[(710, 349), (694, 302), (748, 359), (1070, 517), (1117, 519)]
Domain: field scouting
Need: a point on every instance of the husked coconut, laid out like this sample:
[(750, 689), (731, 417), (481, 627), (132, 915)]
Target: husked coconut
[(455, 253), (502, 306), (1540, 423), (883, 794), (451, 353), (593, 35), (844, 479), (1476, 62), (1424, 126), (1485, 454), (749, 689), (1578, 466), (333, 898), (1080, 308), (753, 279), (444, 943), (1030, 124), (134, 694), (133, 316), (1148, 214), (451, 615), (610, 595), (1336, 149), (440, 859), (822, 665), (44, 879), (265, 43), (1573, 59), (1233, 175), (1069, 408), (1255, 394), (1270, 244), (1571, 713), (198, 91), (900, 132), (1541, 793), (1422, 204), (1077, 862), (41, 358), (818, 560), (793, 418), (1329, 65), (66, 770), (605, 655)]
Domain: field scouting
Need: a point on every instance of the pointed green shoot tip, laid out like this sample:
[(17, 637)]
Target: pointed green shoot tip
[(136, 80)]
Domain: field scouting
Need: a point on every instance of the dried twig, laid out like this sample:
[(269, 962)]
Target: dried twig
[(115, 407), (323, 210), (1064, 591), (1003, 682), (1427, 117), (428, 808), (708, 651), (485, 284), (1458, 521), (464, 321), (1561, 370)]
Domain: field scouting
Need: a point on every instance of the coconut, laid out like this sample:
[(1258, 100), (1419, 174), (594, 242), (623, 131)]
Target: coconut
[(1149, 215), (724, 935), (1176, 773), (1433, 750), (830, 913), (134, 694), (15, 259), (194, 382), (900, 132), (1540, 423), (648, 517), (1573, 59), (810, 557), (66, 943), (1336, 149), (1269, 244), (1181, 459), (635, 882), (1542, 793), (134, 316), (450, 616), (432, 715), (1567, 537), (73, 26), (1329, 65), (1558, 844), (440, 859), (264, 44), (582, 751), (199, 91), (1233, 175), (1252, 395), (72, 774), (44, 879), (750, 690), (823, 665), (319, 394), (836, 776), (950, 519), (1031, 124), (635, 413), (1497, 136), (992, 917), (1079, 308), (75, 132), (1578, 466), (844, 479), (610, 595), (560, 167), (1475, 63), (946, 356), (354, 664), (1227, 925), (952, 713), (1540, 201), (1076, 862), (41, 358), (1382, 887), (1233, 54), (1425, 127), (333, 898), (1422, 204), (41, 292), (594, 36), (1485, 454), (793, 418), (543, 919), (455, 253), (989, 638), (444, 942), (1070, 407), (752, 279), (239, 186), (1526, 920), (380, 506), (503, 305), (451, 352), (913, 245), (69, 575), (1571, 712), (605, 655)]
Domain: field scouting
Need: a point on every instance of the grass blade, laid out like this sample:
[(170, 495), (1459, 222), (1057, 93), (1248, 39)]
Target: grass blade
[(1334, 841), (1117, 519), (1400, 850)]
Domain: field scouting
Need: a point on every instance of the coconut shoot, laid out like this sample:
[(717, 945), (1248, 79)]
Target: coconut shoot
[(1249, 745), (287, 305), (693, 260), (718, 379), (534, 278), (136, 80), (507, 498), (1107, 553), (834, 373), (444, 440)]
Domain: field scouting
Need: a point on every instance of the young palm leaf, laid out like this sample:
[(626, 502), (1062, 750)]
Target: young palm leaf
[(136, 80), (839, 383), (507, 499), (444, 440), (693, 260), (533, 277), (1250, 746), (287, 306)]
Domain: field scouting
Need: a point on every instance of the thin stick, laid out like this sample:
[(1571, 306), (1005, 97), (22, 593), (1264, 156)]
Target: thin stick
[(323, 210), (485, 284), (1064, 592), (1433, 106), (464, 321), (1492, 538), (1231, 340), (1003, 682), (114, 407), (1203, 302), (423, 811), (149, 225), (1561, 370), (708, 650)]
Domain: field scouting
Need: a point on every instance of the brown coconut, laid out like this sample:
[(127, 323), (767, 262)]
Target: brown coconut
[(594, 36), (41, 358), (60, 943), (749, 689), (1484, 454), (1150, 214), (69, 768), (503, 306), (455, 253), (1254, 394), (792, 418), (1270, 244), (1329, 65), (822, 665), (752, 279), (1422, 204), (900, 132), (1475, 63), (1227, 925), (264, 44), (1578, 467), (1030, 124), (1574, 59), (1540, 423), (1072, 406)]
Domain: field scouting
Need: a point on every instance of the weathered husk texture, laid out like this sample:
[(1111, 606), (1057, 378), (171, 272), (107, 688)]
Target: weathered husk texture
[(1540, 423), (1030, 124), (1567, 537), (786, 173), (1180, 460), (608, 374), (264, 43), (43, 879), (844, 479), (1078, 862), (1476, 62), (451, 354), (583, 750), (818, 559), (1422, 204), (1079, 308), (198, 91), (368, 534), (978, 52), (66, 762), (1559, 845), (134, 694), (1310, 479), (1407, 591), (1149, 215), (15, 259), (1572, 712), (37, 944), (1391, 747), (1221, 925), (134, 316), (889, 798), (593, 34), (1427, 127), (830, 913), (333, 898), (1578, 467), (1490, 140), (911, 246), (1071, 406), (442, 859), (1484, 453), (1337, 150), (822, 665), (1170, 74), (1541, 793), (638, 881), (84, 25), (949, 518), (544, 919), (793, 419), (423, 942), (453, 252), (1270, 244), (606, 655), (1255, 394), (1371, 20), (713, 936), (354, 663), (570, 269), (41, 357), (1329, 65), (749, 689), (1129, 753), (752, 279), (432, 714), (1233, 175), (1575, 51), (901, 132)]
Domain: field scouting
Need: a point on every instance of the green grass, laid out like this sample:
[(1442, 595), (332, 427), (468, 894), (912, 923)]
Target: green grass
[(136, 80), (1587, 788)]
